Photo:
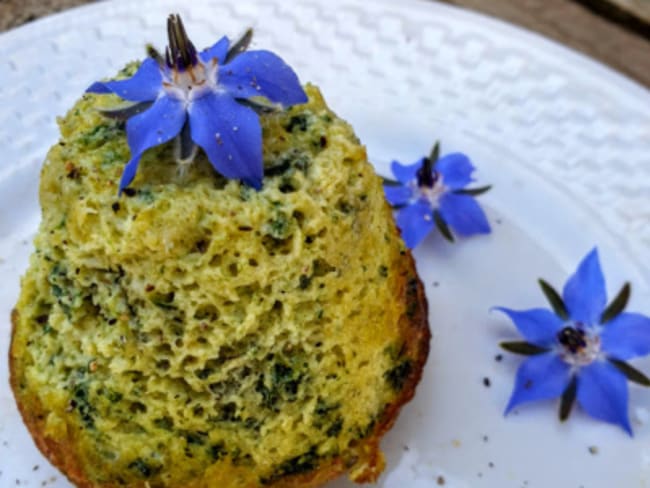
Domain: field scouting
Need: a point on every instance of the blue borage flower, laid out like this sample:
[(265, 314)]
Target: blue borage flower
[(578, 350), (210, 99), (431, 192)]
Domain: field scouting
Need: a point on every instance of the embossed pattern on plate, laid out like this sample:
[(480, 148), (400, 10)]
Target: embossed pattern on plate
[(566, 141)]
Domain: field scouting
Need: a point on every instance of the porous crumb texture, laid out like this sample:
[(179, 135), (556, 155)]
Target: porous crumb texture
[(196, 332)]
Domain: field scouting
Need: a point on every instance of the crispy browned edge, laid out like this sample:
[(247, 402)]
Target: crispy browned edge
[(57, 452), (415, 329)]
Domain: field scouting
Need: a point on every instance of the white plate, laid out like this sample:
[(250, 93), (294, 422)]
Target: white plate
[(565, 141)]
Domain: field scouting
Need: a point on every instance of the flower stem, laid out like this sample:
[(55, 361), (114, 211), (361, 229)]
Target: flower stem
[(555, 299), (389, 182), (442, 226), (523, 347), (630, 372), (473, 192), (435, 154), (618, 304), (152, 52), (240, 46), (568, 399)]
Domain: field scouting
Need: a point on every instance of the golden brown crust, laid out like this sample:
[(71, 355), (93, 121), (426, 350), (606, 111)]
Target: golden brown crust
[(59, 453), (415, 329)]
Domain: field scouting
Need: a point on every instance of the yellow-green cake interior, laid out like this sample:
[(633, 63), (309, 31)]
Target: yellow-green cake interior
[(194, 326)]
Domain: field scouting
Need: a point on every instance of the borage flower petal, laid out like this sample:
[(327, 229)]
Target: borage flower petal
[(161, 123), (232, 141), (211, 89), (602, 393), (456, 170), (539, 326), (584, 294), (218, 51), (540, 377), (262, 73), (398, 195), (463, 214), (431, 191), (416, 221), (143, 86), (594, 353), (406, 173), (626, 336)]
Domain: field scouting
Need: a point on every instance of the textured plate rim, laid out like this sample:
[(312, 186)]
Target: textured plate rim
[(583, 61)]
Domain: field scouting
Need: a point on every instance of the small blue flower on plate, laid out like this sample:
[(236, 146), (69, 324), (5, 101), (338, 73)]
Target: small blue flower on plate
[(209, 98), (432, 193), (578, 350)]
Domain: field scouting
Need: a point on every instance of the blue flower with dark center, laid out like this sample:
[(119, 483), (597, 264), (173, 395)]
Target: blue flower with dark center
[(210, 99), (580, 348), (431, 193)]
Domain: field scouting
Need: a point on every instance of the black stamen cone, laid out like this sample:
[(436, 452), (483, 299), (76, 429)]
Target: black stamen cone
[(426, 175), (181, 53), (168, 57), (571, 338)]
